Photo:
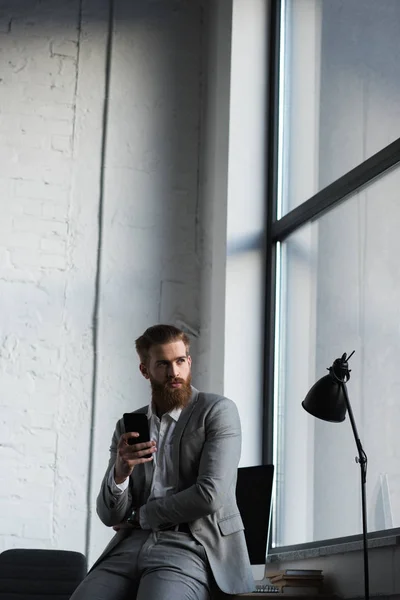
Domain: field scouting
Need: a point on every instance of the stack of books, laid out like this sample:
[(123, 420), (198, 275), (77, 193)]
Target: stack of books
[(297, 582)]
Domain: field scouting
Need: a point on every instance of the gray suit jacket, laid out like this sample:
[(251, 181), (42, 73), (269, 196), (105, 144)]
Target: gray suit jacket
[(206, 452)]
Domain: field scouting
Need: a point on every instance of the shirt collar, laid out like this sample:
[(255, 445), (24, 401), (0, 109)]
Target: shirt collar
[(175, 413)]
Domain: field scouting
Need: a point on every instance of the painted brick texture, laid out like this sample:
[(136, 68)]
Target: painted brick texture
[(52, 89), (38, 82)]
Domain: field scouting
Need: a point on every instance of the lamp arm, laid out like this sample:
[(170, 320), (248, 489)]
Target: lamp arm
[(362, 457)]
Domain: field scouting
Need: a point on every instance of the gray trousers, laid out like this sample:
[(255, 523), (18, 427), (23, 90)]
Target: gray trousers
[(167, 565)]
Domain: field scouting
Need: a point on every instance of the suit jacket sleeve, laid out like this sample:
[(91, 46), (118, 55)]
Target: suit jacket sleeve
[(217, 471), (113, 509)]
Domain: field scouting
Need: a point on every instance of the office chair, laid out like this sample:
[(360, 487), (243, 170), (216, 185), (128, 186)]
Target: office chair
[(36, 574)]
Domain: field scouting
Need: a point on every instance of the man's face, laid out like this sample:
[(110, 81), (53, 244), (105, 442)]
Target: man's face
[(169, 372)]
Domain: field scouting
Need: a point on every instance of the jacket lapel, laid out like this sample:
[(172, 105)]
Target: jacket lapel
[(179, 428)]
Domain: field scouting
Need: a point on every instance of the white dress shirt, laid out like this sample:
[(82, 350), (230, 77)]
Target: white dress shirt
[(161, 431)]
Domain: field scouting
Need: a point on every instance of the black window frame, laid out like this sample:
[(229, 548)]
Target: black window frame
[(277, 230)]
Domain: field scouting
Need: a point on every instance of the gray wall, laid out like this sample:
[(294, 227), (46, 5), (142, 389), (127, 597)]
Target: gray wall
[(153, 167), (150, 253)]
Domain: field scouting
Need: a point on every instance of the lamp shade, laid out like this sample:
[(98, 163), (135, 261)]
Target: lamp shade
[(326, 400)]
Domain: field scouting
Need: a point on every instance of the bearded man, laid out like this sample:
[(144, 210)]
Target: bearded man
[(179, 532)]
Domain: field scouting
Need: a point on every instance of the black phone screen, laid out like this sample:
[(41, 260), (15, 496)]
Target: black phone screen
[(137, 422)]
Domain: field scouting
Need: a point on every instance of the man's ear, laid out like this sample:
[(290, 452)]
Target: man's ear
[(189, 359), (144, 371)]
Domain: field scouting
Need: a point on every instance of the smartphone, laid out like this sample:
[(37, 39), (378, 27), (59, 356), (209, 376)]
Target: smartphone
[(137, 422)]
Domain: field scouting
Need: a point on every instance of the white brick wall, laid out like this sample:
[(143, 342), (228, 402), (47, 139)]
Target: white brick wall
[(38, 80), (52, 84), (161, 258)]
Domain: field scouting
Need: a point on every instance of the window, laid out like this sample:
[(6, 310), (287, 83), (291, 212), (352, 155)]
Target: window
[(334, 276)]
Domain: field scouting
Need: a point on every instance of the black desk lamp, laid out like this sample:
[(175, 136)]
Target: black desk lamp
[(328, 400)]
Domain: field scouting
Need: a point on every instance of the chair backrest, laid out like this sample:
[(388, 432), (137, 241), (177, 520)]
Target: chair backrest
[(37, 574)]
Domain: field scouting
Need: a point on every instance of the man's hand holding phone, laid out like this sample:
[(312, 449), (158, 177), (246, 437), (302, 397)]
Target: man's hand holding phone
[(130, 454)]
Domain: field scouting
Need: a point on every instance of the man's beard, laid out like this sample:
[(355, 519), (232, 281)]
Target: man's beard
[(166, 397)]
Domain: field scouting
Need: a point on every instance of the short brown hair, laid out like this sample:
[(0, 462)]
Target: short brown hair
[(157, 335)]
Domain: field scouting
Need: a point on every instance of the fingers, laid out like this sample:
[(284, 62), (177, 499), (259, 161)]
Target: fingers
[(124, 466), (130, 455), (137, 449), (143, 446), (128, 436), (136, 454), (126, 439), (135, 458)]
